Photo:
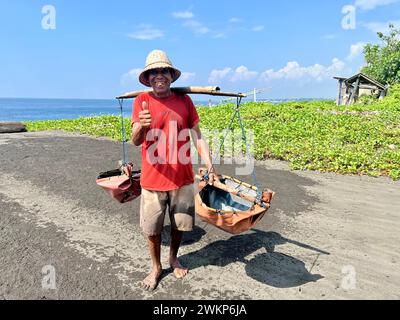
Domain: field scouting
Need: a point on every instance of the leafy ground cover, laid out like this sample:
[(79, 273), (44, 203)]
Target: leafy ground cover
[(360, 139)]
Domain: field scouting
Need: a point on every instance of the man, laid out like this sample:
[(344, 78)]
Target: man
[(161, 121)]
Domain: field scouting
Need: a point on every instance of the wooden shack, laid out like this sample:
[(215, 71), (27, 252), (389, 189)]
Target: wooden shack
[(350, 89)]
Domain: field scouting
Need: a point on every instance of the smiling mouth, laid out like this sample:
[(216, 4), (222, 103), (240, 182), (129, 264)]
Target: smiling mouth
[(160, 84)]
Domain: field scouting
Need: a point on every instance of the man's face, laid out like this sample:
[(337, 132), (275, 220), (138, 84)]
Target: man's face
[(160, 80)]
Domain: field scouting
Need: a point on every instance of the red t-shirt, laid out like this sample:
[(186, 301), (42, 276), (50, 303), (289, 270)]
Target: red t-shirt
[(166, 162)]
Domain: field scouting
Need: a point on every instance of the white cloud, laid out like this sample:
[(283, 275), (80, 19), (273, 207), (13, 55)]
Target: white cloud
[(336, 66), (329, 36), (235, 20), (183, 15), (258, 28), (355, 50), (130, 77), (242, 73), (381, 26), (196, 27), (372, 4), (293, 71), (185, 76), (218, 75), (219, 35), (146, 32)]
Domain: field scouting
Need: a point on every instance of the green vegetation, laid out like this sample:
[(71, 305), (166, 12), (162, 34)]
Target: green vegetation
[(383, 61), (104, 126), (317, 135)]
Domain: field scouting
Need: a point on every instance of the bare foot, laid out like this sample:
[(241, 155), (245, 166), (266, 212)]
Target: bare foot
[(179, 271), (151, 281)]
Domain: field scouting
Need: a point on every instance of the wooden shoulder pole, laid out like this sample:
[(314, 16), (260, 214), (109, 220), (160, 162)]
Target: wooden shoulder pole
[(213, 91)]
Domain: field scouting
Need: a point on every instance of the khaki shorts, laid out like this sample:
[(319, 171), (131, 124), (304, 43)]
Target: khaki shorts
[(153, 205)]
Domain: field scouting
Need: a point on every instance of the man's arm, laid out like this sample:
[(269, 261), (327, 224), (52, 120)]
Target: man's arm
[(138, 134), (139, 128)]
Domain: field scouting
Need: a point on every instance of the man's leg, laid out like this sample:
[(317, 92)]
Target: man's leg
[(152, 212), (176, 238), (182, 220), (151, 281)]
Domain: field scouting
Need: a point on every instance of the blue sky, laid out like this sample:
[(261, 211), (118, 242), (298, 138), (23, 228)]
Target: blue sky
[(292, 48)]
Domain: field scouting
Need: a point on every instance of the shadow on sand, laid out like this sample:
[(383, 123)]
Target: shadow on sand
[(272, 268), (188, 238)]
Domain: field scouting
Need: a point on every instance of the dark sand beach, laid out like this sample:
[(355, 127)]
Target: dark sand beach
[(327, 236)]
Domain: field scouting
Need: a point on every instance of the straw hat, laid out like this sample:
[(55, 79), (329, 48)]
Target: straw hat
[(155, 60)]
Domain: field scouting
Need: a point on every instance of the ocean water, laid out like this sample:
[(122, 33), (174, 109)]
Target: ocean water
[(12, 109), (25, 109), (18, 109)]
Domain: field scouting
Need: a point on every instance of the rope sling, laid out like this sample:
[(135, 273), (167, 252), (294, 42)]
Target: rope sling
[(229, 204), (122, 184)]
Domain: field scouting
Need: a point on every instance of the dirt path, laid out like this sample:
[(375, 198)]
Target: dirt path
[(326, 237)]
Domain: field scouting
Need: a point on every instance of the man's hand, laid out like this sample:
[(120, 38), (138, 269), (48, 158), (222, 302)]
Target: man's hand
[(203, 150), (145, 116), (139, 128), (212, 177)]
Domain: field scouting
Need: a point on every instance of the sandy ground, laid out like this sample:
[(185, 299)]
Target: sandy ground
[(327, 236)]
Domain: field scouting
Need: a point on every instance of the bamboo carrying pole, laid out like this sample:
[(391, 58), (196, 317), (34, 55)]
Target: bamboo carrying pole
[(214, 91), (246, 185), (225, 188)]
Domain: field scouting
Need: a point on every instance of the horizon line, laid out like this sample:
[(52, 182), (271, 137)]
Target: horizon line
[(248, 97)]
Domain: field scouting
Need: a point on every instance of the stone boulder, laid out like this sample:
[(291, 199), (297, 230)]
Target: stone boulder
[(12, 127)]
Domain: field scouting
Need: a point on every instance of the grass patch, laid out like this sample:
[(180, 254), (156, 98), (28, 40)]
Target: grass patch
[(317, 135), (102, 126)]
